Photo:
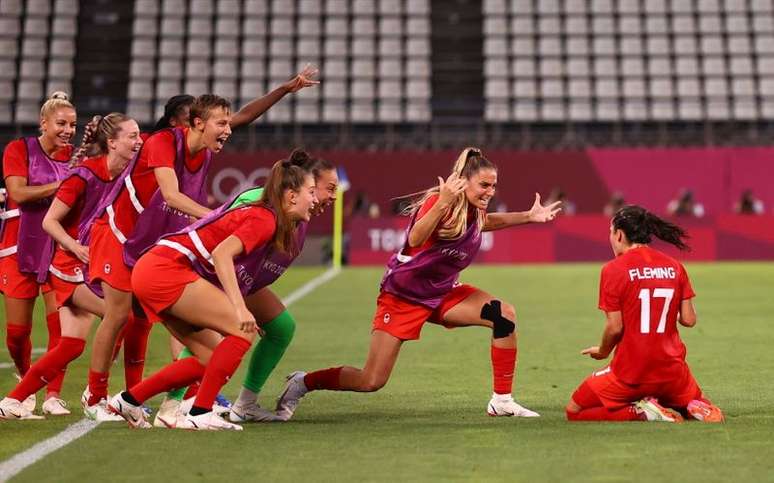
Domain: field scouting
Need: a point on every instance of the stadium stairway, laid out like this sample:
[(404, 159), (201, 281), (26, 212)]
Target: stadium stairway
[(102, 56)]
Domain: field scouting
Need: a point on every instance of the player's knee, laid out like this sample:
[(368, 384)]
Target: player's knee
[(509, 311), (497, 313), (373, 384)]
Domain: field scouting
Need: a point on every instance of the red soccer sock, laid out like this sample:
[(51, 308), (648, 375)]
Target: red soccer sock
[(601, 413), (135, 344), (224, 361), (54, 334), (503, 369), (98, 386), (178, 374), (193, 390), (323, 379), (49, 367), (19, 345)]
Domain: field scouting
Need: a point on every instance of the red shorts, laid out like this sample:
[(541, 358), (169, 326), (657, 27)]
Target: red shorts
[(404, 319), (106, 259), (16, 284), (68, 266), (158, 282), (604, 388)]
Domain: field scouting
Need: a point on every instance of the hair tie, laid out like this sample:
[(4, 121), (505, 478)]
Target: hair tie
[(286, 164)]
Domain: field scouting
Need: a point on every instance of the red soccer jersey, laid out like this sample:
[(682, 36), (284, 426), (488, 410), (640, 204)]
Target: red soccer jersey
[(429, 203), (72, 189), (253, 225), (157, 152), (15, 163), (647, 287)]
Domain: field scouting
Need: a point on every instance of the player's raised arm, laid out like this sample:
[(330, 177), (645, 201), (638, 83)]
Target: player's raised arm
[(255, 108), (537, 214), (448, 191)]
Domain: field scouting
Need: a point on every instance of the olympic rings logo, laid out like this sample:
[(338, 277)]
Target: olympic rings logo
[(235, 176)]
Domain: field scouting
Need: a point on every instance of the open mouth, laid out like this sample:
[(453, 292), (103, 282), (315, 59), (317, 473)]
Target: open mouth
[(64, 138), (221, 141)]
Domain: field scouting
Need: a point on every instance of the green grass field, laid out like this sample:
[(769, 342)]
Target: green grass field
[(429, 422)]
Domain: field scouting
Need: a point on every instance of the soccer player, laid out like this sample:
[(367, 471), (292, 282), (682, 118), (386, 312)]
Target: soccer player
[(420, 285), (276, 323), (177, 114), (33, 168), (644, 294), (195, 279), (117, 139), (161, 189)]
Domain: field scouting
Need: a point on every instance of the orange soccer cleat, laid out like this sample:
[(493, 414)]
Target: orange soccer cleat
[(706, 412)]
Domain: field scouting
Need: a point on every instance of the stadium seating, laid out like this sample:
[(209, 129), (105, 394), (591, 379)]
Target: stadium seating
[(626, 60), (37, 45), (373, 55)]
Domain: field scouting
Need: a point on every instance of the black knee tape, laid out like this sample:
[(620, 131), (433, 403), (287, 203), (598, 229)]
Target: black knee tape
[(502, 327)]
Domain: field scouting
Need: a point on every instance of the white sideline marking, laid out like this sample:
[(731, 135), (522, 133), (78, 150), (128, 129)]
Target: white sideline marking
[(35, 351), (309, 286), (16, 464)]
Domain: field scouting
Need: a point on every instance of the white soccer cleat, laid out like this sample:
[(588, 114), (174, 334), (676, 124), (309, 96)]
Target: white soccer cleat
[(31, 401), (295, 389), (504, 405), (55, 406), (653, 411), (97, 412), (169, 415), (208, 422), (243, 413), (13, 409), (134, 415)]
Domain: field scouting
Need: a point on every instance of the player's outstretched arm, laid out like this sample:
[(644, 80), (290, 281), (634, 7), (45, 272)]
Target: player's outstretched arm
[(255, 108), (537, 214), (610, 337)]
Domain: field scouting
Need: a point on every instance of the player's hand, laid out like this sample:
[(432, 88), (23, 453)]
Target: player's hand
[(246, 321), (449, 190), (594, 353), (303, 79), (541, 214), (81, 252)]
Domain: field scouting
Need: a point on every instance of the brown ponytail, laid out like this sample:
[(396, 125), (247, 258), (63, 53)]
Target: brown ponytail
[(284, 175), (639, 225)]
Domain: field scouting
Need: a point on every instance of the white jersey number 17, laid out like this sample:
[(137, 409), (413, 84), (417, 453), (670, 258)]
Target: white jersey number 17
[(664, 293)]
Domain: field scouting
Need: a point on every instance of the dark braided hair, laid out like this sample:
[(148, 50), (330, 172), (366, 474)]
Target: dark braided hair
[(89, 136), (174, 107), (639, 225)]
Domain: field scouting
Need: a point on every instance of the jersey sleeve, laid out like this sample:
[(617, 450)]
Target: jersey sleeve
[(685, 284), (429, 203), (256, 229), (611, 285), (70, 190), (160, 150), (15, 159)]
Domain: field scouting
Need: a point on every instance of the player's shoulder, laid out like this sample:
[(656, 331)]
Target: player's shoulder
[(15, 148)]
